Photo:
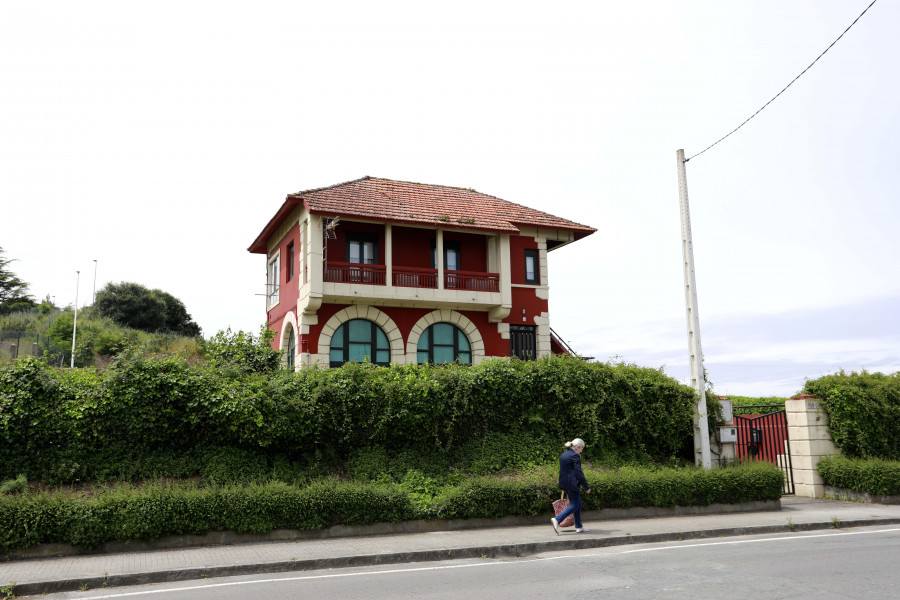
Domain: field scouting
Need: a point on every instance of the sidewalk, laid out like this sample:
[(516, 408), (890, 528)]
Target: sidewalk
[(35, 576)]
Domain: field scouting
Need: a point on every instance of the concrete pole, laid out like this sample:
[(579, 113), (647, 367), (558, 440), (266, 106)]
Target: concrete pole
[(698, 377), (75, 322)]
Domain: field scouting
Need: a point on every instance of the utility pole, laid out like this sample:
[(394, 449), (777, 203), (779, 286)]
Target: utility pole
[(698, 377), (75, 322)]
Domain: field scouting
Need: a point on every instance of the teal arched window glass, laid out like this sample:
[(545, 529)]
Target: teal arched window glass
[(443, 343), (359, 340)]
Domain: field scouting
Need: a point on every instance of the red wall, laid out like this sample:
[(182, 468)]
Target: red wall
[(473, 250), (525, 298), (288, 291), (412, 247), (337, 248), (517, 246)]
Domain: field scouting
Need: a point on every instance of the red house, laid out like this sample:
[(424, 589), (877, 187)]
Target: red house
[(399, 272)]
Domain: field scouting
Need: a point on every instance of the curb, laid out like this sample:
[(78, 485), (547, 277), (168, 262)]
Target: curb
[(495, 551)]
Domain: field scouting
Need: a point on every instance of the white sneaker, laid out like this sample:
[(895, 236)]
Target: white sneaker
[(555, 524), (581, 530)]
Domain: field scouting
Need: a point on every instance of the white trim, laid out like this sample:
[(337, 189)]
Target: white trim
[(290, 321), (476, 342), (273, 293)]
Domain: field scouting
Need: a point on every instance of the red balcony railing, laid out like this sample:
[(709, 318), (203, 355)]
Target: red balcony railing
[(472, 280), (415, 277), (339, 272)]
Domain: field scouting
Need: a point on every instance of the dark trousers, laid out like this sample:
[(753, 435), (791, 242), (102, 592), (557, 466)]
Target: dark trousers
[(574, 507)]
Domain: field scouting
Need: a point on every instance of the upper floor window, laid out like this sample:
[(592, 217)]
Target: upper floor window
[(452, 256), (443, 343), (290, 261), (362, 248), (272, 280), (359, 340), (532, 270)]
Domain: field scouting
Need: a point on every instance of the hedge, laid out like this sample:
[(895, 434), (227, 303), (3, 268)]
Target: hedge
[(75, 425), (863, 412), (128, 512), (874, 476)]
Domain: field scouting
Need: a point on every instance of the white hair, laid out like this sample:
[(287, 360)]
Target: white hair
[(577, 442)]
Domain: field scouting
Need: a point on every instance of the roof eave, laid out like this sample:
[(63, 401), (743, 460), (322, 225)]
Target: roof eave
[(260, 245)]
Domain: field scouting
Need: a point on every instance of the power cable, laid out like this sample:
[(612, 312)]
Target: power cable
[(788, 85)]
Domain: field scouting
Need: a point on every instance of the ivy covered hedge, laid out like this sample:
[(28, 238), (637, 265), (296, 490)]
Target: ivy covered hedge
[(159, 414), (863, 412), (873, 476), (150, 512)]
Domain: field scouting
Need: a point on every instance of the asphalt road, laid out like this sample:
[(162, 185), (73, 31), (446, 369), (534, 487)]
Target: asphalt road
[(838, 564)]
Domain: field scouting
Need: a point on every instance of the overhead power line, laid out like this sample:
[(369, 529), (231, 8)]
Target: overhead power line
[(788, 85)]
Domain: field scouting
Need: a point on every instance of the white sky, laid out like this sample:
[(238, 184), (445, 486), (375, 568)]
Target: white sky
[(159, 138)]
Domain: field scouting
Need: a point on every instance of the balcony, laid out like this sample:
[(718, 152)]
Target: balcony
[(410, 286), (358, 273), (471, 280), (414, 277)]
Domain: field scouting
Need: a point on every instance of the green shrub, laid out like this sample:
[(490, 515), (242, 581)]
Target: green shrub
[(874, 476), (14, 486), (129, 513), (147, 512), (78, 425), (243, 351), (863, 412), (498, 452), (493, 498), (227, 466)]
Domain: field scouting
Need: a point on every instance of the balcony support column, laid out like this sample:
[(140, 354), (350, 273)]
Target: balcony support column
[(439, 257), (388, 256), (502, 255)]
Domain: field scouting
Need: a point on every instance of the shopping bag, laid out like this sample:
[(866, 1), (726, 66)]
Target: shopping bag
[(561, 505)]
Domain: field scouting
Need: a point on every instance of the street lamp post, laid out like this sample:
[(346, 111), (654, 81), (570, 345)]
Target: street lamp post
[(75, 322), (94, 296)]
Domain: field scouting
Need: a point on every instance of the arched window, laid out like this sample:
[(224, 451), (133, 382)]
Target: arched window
[(290, 349), (443, 343), (359, 340)]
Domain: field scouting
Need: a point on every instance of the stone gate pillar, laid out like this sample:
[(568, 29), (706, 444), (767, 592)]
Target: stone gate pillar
[(810, 443)]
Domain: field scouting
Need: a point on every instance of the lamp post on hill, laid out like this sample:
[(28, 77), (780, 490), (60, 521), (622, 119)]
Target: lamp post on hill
[(75, 322)]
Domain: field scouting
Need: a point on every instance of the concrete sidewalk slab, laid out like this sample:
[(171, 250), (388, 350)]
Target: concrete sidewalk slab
[(36, 576)]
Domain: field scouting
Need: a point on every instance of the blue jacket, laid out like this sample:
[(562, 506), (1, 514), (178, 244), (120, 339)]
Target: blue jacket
[(570, 473)]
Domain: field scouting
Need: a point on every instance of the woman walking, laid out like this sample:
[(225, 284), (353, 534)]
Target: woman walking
[(571, 479)]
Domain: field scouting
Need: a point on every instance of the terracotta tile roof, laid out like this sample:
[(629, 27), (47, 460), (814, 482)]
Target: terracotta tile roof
[(386, 200)]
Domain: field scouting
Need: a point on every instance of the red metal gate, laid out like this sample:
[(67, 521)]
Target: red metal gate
[(765, 437)]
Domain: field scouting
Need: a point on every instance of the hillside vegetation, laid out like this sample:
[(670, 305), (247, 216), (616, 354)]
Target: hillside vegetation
[(45, 331)]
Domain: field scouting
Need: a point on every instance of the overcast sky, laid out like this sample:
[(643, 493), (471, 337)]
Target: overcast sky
[(159, 138)]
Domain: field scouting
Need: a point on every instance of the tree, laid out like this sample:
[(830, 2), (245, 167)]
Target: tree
[(133, 305), (14, 294)]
